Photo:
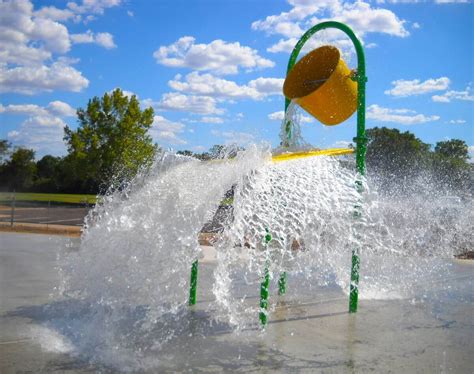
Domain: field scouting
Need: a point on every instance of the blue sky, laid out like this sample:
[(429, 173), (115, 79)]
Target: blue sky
[(213, 70)]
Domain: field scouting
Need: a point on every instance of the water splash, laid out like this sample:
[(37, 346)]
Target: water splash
[(139, 242), (291, 139), (305, 205), (130, 277)]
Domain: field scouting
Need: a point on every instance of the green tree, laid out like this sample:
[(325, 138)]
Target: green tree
[(204, 156), (454, 148), (47, 167), (111, 143), (20, 170), (450, 166), (221, 151), (217, 151), (403, 163), (394, 151), (185, 153), (396, 158), (48, 178), (4, 150)]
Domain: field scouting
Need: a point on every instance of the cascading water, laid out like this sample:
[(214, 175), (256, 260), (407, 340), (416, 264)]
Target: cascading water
[(130, 277), (136, 253), (291, 139)]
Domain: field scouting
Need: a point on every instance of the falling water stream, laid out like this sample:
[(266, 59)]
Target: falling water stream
[(130, 277)]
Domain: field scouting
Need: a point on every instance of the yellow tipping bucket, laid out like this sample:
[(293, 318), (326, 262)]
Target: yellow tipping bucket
[(321, 84)]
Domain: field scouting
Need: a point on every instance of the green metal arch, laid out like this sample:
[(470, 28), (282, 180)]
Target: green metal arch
[(360, 78), (360, 139)]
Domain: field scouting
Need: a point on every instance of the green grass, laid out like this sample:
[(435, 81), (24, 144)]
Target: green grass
[(64, 198), (53, 197), (227, 201)]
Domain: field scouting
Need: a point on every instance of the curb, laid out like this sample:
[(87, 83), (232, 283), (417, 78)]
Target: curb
[(75, 231), (35, 228)]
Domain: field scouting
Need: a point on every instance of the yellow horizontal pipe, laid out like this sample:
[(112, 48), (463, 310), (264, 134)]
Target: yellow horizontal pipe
[(295, 155), (320, 152)]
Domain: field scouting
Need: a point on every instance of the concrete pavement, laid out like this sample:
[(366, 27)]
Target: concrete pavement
[(308, 332)]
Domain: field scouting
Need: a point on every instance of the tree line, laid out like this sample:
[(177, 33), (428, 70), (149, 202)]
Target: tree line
[(401, 162), (112, 143)]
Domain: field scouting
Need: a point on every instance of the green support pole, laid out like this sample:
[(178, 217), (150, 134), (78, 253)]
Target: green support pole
[(354, 287), (265, 285), (282, 284), (193, 285), (264, 296), (360, 139), (355, 261)]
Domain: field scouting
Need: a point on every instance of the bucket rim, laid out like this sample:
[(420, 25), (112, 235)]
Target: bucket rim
[(294, 75)]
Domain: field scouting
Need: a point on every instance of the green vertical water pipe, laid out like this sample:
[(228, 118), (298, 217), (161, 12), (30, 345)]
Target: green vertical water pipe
[(282, 284), (193, 283), (360, 139), (265, 284)]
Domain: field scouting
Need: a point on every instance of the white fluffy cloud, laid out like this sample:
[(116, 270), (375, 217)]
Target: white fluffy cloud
[(465, 95), (361, 16), (61, 109), (452, 1), (42, 133), (27, 39), (267, 86), (43, 130), (418, 1), (405, 88), (280, 115), (104, 39), (54, 108), (30, 80), (200, 93), (470, 150), (286, 23), (400, 116), (92, 6), (84, 10), (208, 85), (77, 11), (207, 119), (175, 101), (341, 144), (22, 54), (55, 14), (23, 109), (234, 137), (19, 24), (277, 116), (54, 35), (457, 121), (219, 56), (33, 44), (166, 131), (333, 37)]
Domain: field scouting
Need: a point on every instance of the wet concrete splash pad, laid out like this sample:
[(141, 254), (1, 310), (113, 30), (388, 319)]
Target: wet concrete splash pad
[(431, 332)]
